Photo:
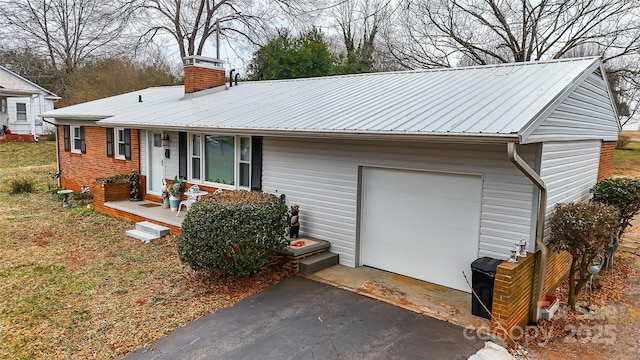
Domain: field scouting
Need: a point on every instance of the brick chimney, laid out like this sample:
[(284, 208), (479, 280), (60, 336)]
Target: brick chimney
[(201, 73)]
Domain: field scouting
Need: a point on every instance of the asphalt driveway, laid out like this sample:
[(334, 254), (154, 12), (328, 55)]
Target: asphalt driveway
[(304, 319)]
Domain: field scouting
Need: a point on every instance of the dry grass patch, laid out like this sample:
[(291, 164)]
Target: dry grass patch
[(72, 285)]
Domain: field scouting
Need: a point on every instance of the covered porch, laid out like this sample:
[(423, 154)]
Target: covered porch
[(144, 210)]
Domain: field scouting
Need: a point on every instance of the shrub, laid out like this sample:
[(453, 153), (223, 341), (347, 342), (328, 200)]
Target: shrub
[(584, 230), (120, 178), (233, 233), (623, 141), (21, 185), (621, 193), (50, 135)]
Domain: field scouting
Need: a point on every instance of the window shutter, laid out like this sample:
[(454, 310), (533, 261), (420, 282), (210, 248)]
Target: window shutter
[(67, 134), (127, 144), (83, 143), (182, 155), (110, 142), (256, 163)]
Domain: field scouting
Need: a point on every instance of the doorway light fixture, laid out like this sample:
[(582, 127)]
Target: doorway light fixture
[(166, 140)]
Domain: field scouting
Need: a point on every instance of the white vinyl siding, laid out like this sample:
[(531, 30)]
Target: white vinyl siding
[(569, 170), (322, 177), (586, 113)]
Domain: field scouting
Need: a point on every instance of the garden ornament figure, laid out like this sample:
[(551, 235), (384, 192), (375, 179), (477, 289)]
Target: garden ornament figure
[(134, 186), (165, 194), (295, 221)]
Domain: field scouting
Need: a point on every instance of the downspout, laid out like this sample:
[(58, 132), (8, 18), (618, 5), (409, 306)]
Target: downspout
[(57, 150), (542, 209)]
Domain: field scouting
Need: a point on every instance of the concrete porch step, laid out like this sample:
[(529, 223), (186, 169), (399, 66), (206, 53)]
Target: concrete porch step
[(141, 235), (147, 231), (318, 262), (153, 229)]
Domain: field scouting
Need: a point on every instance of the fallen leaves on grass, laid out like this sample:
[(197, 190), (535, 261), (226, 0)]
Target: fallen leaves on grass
[(604, 308), (74, 286)]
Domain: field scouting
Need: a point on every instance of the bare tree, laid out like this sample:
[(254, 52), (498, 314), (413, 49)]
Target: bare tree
[(192, 23), (440, 32), (68, 31), (359, 22)]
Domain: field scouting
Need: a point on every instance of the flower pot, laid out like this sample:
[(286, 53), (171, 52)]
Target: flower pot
[(174, 202), (550, 305)]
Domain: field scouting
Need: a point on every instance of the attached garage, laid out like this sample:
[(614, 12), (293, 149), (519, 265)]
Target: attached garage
[(421, 224)]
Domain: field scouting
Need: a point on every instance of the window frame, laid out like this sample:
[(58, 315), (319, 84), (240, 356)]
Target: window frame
[(193, 157), (119, 140), (19, 112), (240, 162), (202, 161), (76, 148)]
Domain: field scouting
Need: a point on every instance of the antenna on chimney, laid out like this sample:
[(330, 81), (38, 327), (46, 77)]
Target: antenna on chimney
[(218, 38)]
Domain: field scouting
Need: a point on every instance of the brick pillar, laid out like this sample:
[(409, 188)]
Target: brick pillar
[(514, 286), (605, 169)]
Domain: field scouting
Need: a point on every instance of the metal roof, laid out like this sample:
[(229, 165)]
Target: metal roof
[(484, 101)]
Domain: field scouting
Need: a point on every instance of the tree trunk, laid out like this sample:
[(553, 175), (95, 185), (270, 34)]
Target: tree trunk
[(572, 285)]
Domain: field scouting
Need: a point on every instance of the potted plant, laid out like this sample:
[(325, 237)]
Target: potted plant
[(175, 190)]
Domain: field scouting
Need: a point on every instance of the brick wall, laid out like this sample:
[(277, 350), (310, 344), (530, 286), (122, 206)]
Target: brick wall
[(198, 78), (514, 286), (77, 170), (605, 170)]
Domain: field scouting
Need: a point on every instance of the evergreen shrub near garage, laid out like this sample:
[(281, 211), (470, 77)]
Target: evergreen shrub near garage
[(621, 193), (235, 232)]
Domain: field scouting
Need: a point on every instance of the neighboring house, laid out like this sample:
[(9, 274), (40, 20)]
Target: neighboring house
[(20, 103), (408, 172)]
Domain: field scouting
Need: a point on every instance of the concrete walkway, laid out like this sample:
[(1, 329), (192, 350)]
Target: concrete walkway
[(630, 241), (304, 319), (419, 296)]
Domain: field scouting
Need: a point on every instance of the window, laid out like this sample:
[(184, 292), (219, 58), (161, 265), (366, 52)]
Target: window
[(245, 162), (221, 159), (74, 140), (21, 112), (120, 143), (195, 158), (3, 104)]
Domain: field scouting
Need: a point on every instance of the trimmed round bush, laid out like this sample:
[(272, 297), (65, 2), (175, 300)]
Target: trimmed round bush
[(623, 194), (236, 232)]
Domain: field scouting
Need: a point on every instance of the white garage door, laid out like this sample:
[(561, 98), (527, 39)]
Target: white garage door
[(421, 224)]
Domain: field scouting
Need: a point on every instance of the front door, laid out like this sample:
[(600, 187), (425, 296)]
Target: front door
[(156, 163)]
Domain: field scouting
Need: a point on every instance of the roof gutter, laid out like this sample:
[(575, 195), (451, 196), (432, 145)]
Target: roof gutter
[(331, 134), (534, 308)]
